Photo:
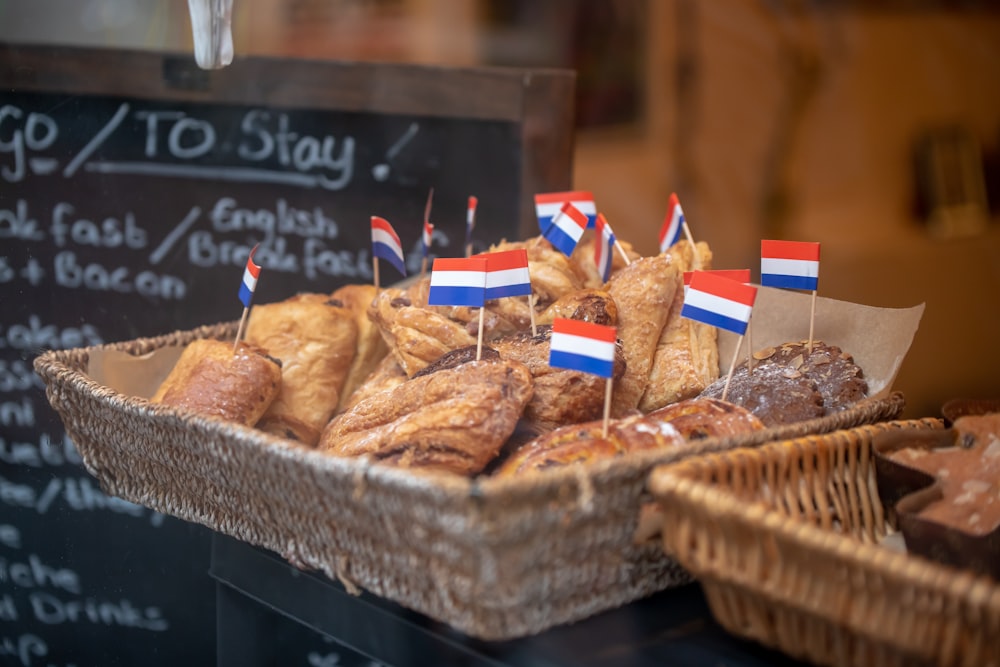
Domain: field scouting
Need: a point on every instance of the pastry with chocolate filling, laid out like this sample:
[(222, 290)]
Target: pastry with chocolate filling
[(561, 396), (316, 339), (454, 419), (211, 379)]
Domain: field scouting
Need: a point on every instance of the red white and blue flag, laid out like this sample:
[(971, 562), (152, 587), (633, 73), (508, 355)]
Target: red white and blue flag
[(549, 206), (470, 220), (673, 223), (427, 237), (507, 273), (250, 275), (567, 228), (386, 244), (604, 247), (458, 281), (582, 346), (739, 275), (789, 264), (719, 302)]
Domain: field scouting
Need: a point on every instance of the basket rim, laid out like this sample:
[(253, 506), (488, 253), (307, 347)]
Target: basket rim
[(678, 482)]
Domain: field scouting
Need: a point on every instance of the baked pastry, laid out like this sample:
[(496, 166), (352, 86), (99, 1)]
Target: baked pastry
[(316, 338), (791, 383), (455, 419), (583, 258), (838, 379), (561, 396), (586, 443), (686, 359), (643, 291), (590, 305), (775, 394), (387, 374), (210, 379), (371, 347), (699, 418)]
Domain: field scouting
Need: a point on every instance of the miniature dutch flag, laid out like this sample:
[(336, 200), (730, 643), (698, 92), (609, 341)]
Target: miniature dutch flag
[(604, 247), (549, 206), (739, 275), (567, 228), (250, 276), (719, 302), (458, 281), (386, 244), (507, 274), (582, 346), (673, 223), (789, 264)]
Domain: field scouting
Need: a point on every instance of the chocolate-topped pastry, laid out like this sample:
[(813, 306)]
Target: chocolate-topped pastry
[(775, 394), (840, 381)]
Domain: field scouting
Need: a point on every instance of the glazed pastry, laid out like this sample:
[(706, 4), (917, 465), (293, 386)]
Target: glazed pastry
[(455, 419), (643, 291), (699, 418), (316, 338), (371, 347), (561, 396), (210, 379), (586, 443), (686, 359), (387, 374)]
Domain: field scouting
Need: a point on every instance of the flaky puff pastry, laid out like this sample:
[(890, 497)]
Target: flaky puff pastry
[(686, 359), (643, 291), (455, 419), (316, 340), (371, 347), (561, 396), (211, 379), (586, 443)]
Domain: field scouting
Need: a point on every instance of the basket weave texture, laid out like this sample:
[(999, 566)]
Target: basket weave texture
[(494, 558), (785, 539)]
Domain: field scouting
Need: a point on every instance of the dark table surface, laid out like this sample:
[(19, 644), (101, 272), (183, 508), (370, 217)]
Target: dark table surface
[(270, 613)]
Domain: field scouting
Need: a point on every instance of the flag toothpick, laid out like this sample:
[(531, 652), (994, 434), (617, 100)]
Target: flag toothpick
[(792, 265), (720, 302), (385, 245), (250, 275), (460, 281), (587, 347)]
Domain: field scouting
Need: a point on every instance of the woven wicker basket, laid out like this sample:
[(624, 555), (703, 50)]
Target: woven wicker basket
[(785, 539), (494, 558)]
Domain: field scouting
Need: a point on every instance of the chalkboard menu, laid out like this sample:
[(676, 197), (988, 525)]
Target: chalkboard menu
[(132, 186)]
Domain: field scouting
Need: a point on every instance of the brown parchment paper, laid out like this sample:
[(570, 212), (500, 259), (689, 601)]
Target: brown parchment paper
[(879, 339)]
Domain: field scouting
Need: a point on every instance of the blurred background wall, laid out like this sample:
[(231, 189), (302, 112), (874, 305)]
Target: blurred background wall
[(872, 127)]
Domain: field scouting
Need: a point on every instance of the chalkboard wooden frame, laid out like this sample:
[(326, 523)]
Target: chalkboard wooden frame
[(538, 101)]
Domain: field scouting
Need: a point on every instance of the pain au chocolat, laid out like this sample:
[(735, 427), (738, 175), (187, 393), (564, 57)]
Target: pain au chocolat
[(454, 419)]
